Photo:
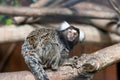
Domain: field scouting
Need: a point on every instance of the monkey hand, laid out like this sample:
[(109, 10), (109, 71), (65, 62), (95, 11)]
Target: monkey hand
[(71, 62)]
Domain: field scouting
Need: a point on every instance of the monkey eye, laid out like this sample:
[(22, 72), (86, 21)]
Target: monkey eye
[(70, 31), (75, 33)]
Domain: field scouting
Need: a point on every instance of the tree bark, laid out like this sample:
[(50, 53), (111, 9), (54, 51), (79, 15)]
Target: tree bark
[(21, 75)]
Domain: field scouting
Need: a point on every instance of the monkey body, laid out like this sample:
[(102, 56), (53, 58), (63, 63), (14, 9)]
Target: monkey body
[(47, 46), (43, 47)]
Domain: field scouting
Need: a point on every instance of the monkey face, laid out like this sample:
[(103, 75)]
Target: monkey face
[(72, 34)]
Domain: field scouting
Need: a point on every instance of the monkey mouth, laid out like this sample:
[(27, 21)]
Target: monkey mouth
[(71, 39)]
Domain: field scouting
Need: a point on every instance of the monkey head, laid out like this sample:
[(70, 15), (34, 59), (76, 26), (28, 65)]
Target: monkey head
[(71, 32), (70, 35)]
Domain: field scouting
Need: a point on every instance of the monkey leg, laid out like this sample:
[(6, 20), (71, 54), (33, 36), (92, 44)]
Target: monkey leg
[(56, 57), (55, 63)]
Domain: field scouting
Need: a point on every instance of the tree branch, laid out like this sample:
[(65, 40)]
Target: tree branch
[(112, 26), (107, 25), (97, 18), (27, 11), (18, 33), (57, 4), (89, 16), (86, 67), (90, 64), (21, 75)]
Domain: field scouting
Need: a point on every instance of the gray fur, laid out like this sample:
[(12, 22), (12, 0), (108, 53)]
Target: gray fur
[(42, 47)]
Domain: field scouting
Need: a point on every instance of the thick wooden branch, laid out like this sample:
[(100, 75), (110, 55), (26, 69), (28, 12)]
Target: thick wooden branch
[(100, 59), (38, 4), (21, 75), (18, 33), (57, 4), (27, 11), (87, 66)]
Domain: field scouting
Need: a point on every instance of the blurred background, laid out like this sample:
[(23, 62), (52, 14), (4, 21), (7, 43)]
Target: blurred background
[(10, 52)]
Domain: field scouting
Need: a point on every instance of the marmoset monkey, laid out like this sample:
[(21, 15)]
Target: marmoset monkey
[(47, 46)]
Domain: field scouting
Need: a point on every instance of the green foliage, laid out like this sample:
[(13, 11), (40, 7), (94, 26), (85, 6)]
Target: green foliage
[(3, 18), (9, 21), (3, 2), (10, 2), (6, 19), (31, 1), (34, 0)]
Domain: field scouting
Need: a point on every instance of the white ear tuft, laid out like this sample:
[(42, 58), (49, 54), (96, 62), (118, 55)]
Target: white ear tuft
[(81, 36), (64, 25)]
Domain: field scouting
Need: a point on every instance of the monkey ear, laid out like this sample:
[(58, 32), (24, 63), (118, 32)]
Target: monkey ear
[(81, 36), (64, 26)]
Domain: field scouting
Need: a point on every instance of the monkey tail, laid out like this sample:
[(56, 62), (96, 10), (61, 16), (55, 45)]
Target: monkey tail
[(36, 68), (34, 64)]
